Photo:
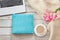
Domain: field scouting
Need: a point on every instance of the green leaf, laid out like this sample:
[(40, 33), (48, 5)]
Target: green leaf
[(58, 9)]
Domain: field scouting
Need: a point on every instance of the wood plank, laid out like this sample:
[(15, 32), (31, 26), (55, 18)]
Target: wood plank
[(5, 17), (23, 37), (36, 16), (5, 37), (5, 23), (5, 31)]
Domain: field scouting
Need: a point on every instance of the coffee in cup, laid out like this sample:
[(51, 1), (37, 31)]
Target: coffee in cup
[(40, 30)]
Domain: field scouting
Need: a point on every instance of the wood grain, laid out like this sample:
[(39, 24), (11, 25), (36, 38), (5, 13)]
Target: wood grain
[(5, 27)]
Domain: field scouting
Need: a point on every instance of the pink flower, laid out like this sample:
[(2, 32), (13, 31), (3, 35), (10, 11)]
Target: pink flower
[(49, 16)]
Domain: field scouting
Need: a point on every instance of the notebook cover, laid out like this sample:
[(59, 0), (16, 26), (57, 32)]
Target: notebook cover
[(22, 23)]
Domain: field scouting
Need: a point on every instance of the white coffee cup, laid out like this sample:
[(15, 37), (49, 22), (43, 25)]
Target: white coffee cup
[(40, 30)]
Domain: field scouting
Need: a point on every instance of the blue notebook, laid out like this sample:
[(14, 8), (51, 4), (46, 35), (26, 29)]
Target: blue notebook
[(22, 23)]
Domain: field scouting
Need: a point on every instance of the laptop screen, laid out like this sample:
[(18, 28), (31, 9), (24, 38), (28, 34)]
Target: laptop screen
[(10, 3)]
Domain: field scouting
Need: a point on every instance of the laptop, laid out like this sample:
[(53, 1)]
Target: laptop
[(11, 6)]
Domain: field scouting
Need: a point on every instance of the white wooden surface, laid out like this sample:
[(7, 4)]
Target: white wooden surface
[(5, 28)]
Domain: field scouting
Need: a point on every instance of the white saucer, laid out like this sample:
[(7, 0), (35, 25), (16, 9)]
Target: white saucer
[(45, 30)]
